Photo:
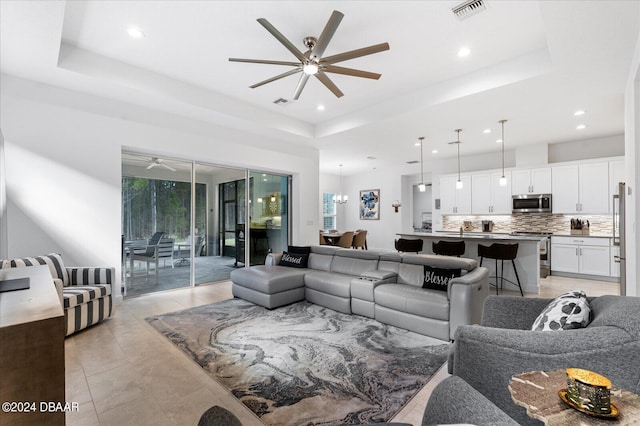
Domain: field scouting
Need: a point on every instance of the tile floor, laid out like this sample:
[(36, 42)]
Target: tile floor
[(122, 372)]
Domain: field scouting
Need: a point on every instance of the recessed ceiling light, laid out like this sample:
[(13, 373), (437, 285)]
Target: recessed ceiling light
[(578, 112), (486, 131), (499, 141), (581, 127), (371, 157), (435, 151), (135, 32), (320, 107), (464, 51)]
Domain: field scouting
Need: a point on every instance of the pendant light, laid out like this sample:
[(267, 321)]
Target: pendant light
[(459, 182), (340, 199), (421, 186), (503, 179)]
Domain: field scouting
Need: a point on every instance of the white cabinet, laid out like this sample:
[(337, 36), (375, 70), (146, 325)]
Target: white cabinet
[(453, 200), (581, 188), (580, 255), (615, 265), (616, 175), (488, 196), (531, 181)]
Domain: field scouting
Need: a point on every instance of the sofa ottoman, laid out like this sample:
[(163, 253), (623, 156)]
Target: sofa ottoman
[(270, 286)]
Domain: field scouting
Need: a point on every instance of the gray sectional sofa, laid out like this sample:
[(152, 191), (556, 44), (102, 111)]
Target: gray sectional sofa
[(383, 285)]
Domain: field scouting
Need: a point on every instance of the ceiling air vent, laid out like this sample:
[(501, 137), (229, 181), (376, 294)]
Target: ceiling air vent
[(468, 9), (281, 101), (413, 162)]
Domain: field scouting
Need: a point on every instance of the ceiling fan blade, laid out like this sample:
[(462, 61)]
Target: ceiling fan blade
[(301, 83), (151, 166), (355, 53), (277, 77), (167, 167), (327, 33), (329, 84), (264, 61), (282, 39), (352, 72)]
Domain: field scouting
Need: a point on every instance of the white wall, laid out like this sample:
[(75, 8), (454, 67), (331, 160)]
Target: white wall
[(63, 168), (381, 233), (632, 159)]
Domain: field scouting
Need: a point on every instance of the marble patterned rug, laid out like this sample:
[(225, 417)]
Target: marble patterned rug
[(303, 364)]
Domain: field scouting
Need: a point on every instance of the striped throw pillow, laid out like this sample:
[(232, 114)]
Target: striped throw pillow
[(53, 261)]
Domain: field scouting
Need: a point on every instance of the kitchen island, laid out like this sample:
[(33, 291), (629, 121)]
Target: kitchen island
[(527, 262)]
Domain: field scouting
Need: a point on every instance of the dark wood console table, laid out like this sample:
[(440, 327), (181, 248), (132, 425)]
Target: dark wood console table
[(31, 350)]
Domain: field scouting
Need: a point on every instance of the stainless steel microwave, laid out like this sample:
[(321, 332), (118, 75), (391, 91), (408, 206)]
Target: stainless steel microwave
[(531, 203)]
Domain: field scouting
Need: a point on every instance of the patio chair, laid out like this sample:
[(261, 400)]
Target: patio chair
[(184, 249), (156, 248)]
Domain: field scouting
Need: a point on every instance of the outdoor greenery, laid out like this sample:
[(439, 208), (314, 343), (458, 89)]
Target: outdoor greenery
[(150, 205)]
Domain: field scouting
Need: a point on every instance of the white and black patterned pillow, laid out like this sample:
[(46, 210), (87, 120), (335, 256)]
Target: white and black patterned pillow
[(566, 312)]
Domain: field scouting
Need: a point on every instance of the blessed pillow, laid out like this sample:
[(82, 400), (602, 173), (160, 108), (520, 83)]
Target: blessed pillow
[(294, 260), (438, 278), (299, 249), (566, 312)]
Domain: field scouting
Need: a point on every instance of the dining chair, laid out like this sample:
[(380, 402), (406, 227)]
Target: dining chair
[(323, 241), (346, 240), (360, 239)]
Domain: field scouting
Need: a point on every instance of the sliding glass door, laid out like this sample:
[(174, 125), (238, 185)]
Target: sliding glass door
[(156, 221), (209, 220), (221, 207), (268, 214)]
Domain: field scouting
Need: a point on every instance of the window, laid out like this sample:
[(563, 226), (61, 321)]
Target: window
[(328, 212)]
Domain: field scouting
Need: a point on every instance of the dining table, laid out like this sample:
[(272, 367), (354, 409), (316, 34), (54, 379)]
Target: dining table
[(332, 238)]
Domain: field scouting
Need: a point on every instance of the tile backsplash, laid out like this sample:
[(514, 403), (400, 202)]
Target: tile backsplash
[(556, 223)]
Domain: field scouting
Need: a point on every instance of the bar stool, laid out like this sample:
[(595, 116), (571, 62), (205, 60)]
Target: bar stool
[(406, 245), (448, 248), (501, 252)]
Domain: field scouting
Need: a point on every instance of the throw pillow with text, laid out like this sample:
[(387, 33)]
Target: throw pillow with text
[(438, 278), (294, 260)]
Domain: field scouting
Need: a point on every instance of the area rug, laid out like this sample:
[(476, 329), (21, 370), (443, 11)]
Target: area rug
[(303, 364)]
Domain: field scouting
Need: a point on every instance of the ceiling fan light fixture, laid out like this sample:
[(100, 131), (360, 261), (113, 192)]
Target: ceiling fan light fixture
[(310, 69)]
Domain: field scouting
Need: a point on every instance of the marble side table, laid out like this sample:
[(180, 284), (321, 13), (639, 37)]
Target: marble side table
[(537, 391)]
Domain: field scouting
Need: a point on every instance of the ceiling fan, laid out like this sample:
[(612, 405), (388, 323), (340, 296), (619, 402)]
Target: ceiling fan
[(311, 62), (158, 162)]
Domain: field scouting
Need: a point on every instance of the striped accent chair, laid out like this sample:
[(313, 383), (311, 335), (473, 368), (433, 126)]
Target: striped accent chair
[(85, 293)]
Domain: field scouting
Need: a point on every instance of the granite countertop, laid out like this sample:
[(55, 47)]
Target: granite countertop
[(472, 235), (591, 235)]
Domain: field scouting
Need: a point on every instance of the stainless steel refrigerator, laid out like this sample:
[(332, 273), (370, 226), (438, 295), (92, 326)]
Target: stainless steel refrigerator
[(618, 234)]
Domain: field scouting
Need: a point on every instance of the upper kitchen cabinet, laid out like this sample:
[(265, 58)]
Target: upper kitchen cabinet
[(488, 196), (581, 188), (452, 200), (616, 175), (531, 181)]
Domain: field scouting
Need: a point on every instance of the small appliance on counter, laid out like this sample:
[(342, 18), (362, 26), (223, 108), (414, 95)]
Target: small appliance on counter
[(467, 225), (487, 226), (579, 227)]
